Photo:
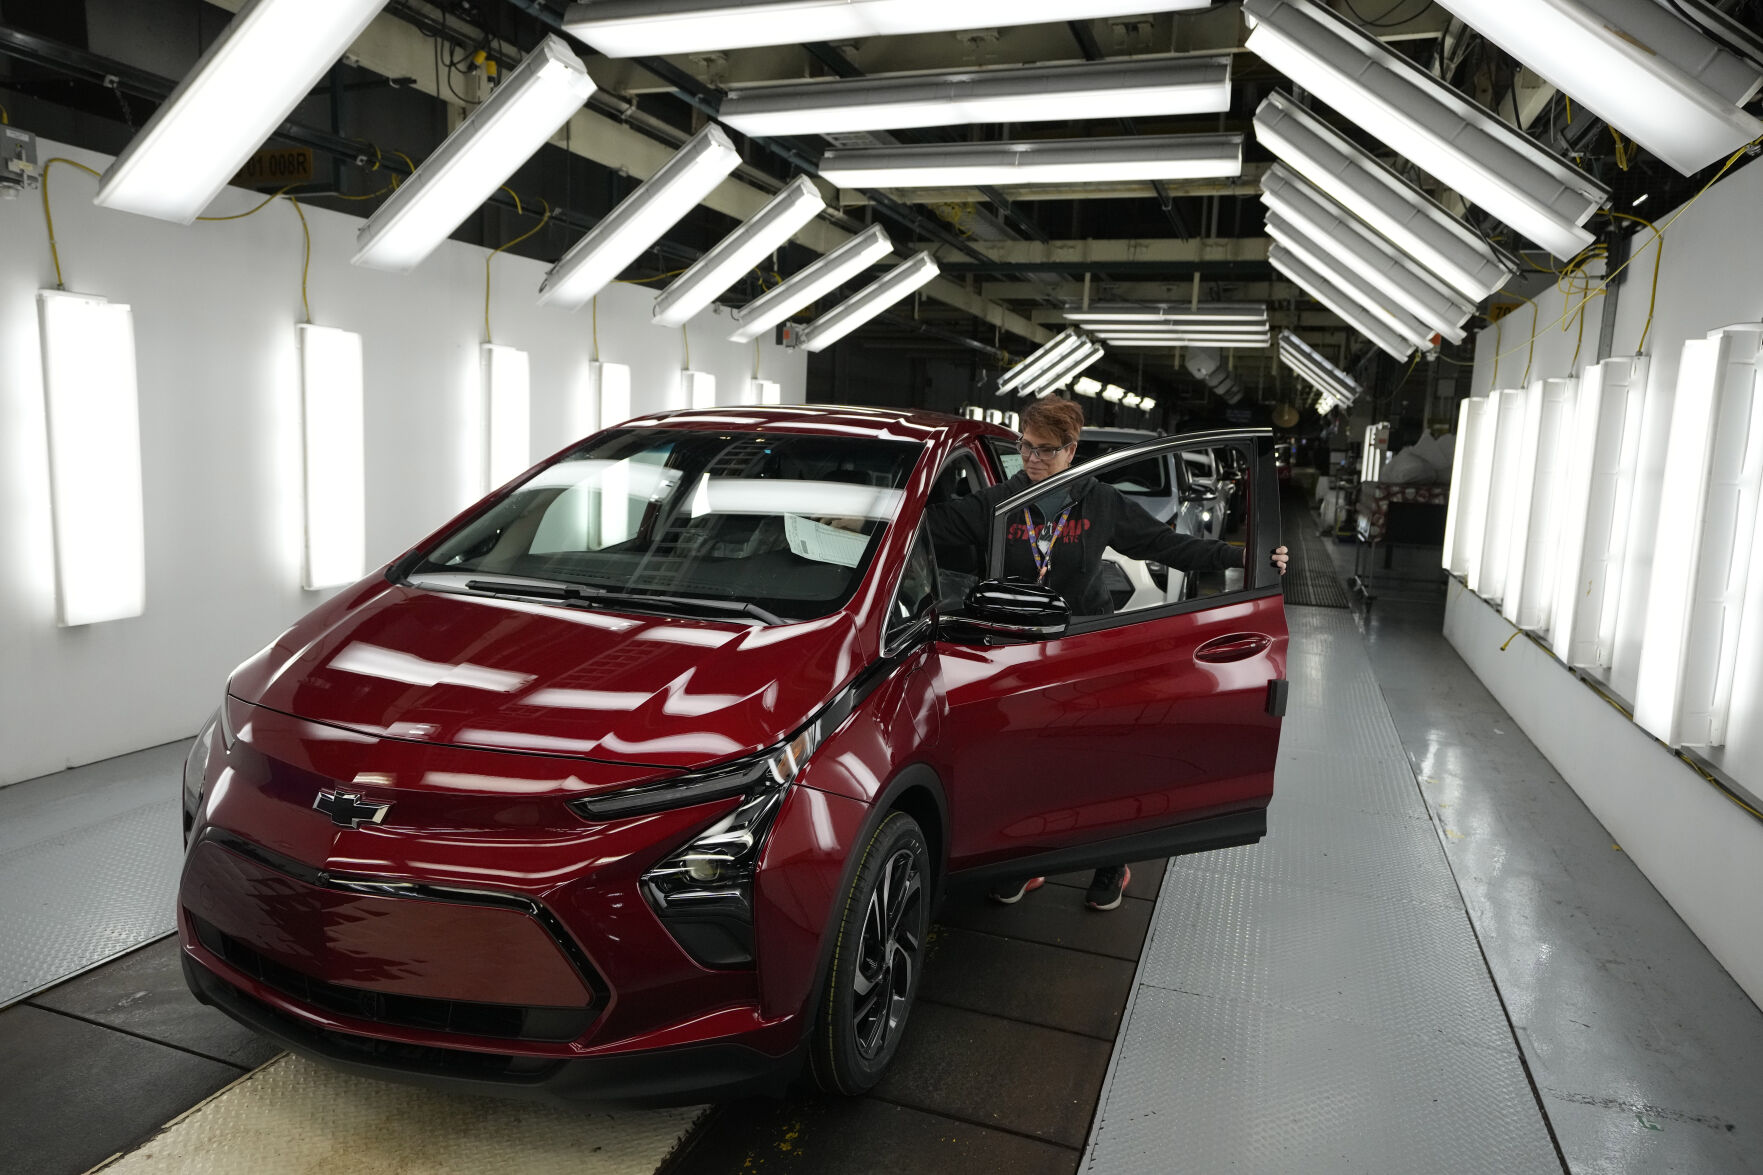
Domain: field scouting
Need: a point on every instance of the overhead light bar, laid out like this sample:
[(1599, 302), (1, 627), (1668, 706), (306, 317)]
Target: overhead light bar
[(497, 137), (1365, 297), (1309, 362), (1208, 313), (1064, 371), (1413, 221), (1343, 306), (92, 410), (1391, 272), (1130, 401), (1178, 326), (1615, 57), (822, 275), (732, 257), (1064, 343), (264, 62), (1114, 393), (641, 28), (640, 219), (1488, 163), (1085, 386), (868, 302), (1043, 161), (1188, 340), (1040, 93), (1147, 403)]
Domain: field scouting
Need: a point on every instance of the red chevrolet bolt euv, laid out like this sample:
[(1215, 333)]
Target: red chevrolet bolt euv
[(639, 781)]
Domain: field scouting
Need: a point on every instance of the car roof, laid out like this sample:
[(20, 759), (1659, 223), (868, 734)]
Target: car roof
[(826, 420), (1133, 436)]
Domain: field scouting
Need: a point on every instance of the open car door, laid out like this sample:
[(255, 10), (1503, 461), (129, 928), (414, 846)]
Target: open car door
[(1148, 731)]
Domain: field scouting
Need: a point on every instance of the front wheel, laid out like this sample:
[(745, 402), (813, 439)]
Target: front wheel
[(877, 960)]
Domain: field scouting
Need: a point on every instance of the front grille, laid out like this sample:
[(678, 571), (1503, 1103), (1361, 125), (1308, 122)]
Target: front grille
[(510, 1021)]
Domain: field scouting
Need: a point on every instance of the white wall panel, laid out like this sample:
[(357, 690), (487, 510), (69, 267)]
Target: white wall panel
[(215, 304)]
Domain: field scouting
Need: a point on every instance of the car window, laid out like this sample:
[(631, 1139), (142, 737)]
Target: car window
[(957, 564), (1146, 478), (1216, 510), (1009, 460), (785, 522), (916, 594)]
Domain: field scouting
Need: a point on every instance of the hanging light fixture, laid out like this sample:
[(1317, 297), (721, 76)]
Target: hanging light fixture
[(1064, 343), (732, 257), (1040, 161), (1365, 297), (1338, 301), (871, 300), (820, 276), (1487, 162)]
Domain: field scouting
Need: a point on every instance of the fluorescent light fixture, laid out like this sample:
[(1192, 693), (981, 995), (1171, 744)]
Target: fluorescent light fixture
[(732, 257), (1192, 339), (639, 28), (1372, 450), (1129, 401), (1085, 386), (265, 61), (1322, 257), (1237, 314), (610, 387), (994, 416), (1064, 371), (1531, 597), (640, 219), (1454, 509), (1410, 219), (1036, 93), (697, 389), (1383, 267), (1147, 403), (1480, 447), (497, 137), (1066, 342), (770, 391), (871, 300), (1013, 421), (1042, 161), (973, 413), (93, 418), (820, 276), (1704, 554), (1113, 393), (1437, 129), (1511, 409), (1615, 58), (1344, 306), (335, 457), (1520, 500), (1599, 490), (1309, 364), (508, 442)]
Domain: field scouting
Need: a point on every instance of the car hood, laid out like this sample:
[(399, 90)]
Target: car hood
[(512, 675)]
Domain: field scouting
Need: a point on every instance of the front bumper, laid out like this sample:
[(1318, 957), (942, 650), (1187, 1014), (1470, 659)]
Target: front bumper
[(684, 1075)]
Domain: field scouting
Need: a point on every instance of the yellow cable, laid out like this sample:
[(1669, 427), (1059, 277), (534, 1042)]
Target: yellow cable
[(643, 281), (267, 201), (5, 119), (543, 220), (407, 161), (49, 220), (1658, 260), (306, 265), (515, 196)]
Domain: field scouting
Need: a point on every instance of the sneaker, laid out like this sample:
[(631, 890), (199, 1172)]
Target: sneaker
[(1108, 888), (1012, 896)]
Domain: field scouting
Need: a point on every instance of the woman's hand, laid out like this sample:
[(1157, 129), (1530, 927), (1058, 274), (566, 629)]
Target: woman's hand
[(1279, 559)]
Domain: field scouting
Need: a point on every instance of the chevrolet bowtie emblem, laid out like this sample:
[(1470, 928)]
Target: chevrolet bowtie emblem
[(349, 809)]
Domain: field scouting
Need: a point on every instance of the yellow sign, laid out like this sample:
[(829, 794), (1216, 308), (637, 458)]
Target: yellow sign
[(276, 167)]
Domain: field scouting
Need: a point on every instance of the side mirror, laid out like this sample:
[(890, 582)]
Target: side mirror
[(1010, 611)]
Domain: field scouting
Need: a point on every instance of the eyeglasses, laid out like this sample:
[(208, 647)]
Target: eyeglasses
[(1044, 452)]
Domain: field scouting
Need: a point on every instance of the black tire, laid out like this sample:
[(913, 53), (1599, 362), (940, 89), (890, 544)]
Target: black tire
[(878, 960)]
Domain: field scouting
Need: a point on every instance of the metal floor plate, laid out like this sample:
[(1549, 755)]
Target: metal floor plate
[(293, 1117), (1318, 1002)]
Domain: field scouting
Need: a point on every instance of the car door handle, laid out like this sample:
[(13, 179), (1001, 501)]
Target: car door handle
[(1237, 646)]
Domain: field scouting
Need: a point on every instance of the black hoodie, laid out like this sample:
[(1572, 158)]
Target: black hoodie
[(1101, 517)]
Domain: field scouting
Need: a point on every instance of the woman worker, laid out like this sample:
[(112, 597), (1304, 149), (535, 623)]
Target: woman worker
[(1059, 543)]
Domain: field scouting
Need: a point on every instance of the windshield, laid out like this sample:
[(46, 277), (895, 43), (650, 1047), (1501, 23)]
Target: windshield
[(1149, 477), (786, 523)]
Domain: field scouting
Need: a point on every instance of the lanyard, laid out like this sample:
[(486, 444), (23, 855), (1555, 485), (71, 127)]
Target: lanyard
[(1044, 555)]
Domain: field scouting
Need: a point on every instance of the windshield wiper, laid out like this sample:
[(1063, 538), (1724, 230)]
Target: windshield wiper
[(575, 593)]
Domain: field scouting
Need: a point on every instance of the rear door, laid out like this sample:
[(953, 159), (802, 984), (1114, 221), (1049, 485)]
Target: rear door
[(1149, 731)]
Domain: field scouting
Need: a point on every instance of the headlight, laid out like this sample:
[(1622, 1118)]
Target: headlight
[(703, 891), (196, 771)]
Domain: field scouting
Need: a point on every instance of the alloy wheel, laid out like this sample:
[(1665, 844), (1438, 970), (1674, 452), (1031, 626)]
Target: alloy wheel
[(889, 954)]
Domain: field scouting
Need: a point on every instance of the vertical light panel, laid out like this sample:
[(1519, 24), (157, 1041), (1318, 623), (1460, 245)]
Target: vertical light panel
[(697, 389), (508, 412), (1474, 536), (763, 391), (1520, 499), (331, 414), (94, 423), (1507, 457), (1454, 510), (1535, 590), (1703, 553), (610, 385), (1596, 492)]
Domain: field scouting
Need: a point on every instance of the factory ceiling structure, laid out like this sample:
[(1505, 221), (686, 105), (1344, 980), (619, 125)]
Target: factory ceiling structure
[(1369, 174)]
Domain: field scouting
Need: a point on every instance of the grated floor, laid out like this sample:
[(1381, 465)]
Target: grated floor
[(1318, 1002)]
